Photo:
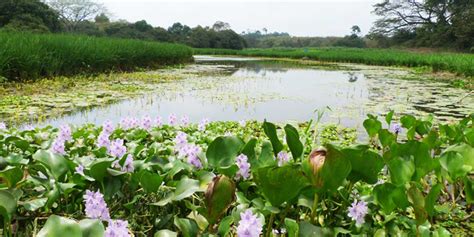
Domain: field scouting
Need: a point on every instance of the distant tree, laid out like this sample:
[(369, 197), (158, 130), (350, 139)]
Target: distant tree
[(179, 32), (88, 28), (142, 26), (102, 18), (355, 30), (220, 26), (74, 11), (30, 15)]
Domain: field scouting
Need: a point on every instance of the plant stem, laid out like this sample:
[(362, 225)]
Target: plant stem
[(270, 224), (315, 206)]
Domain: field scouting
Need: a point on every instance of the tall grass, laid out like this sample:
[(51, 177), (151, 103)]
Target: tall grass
[(453, 62), (30, 56)]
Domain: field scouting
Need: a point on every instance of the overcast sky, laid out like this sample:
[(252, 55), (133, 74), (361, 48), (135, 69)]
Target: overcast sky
[(299, 17)]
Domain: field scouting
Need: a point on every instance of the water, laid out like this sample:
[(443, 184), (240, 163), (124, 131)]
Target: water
[(247, 89)]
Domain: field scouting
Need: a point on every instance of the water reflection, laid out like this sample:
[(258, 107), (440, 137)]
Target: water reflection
[(281, 92)]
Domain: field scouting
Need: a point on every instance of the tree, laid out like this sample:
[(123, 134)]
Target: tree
[(74, 11), (220, 26), (355, 30), (30, 15), (102, 18)]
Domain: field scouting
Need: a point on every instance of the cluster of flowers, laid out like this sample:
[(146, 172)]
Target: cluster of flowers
[(3, 126), (96, 208), (244, 166), (249, 225), (187, 150), (59, 144), (357, 212)]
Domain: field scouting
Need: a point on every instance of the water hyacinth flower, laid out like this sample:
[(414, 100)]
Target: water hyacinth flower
[(192, 154), (185, 120), (283, 157), (146, 122), (58, 146), (128, 164), (244, 167), (242, 123), (357, 212), (125, 123), (172, 120), (133, 123), (65, 133), (108, 127), (103, 140), (117, 228), (203, 124), (117, 149), (96, 208), (80, 170), (28, 127), (396, 128), (159, 121), (249, 225), (3, 126), (181, 139)]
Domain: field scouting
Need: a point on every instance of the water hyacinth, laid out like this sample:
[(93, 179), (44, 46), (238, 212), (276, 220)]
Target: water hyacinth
[(103, 140), (146, 122), (357, 212), (203, 124), (283, 157), (108, 127), (181, 139), (28, 127), (244, 167), (95, 206), (3, 126), (125, 123), (117, 228), (65, 133), (249, 225), (58, 146), (192, 154), (117, 149), (185, 120), (80, 170), (128, 164), (242, 123), (396, 128), (172, 120), (159, 121)]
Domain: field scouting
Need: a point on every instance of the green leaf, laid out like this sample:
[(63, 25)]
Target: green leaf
[(91, 228), (401, 170), (11, 175), (388, 117), (372, 125), (223, 150), (166, 233), (7, 204), (469, 190), (188, 227), (149, 181), (309, 230), (335, 170), (292, 227), (98, 169), (185, 188), (57, 226), (386, 137), (293, 141), (225, 225), (249, 149), (431, 199), (271, 132), (417, 200), (57, 164), (365, 164), (35, 204), (389, 197), (280, 184), (219, 196), (266, 157)]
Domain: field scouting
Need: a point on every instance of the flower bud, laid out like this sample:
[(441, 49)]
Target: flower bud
[(220, 194), (316, 161)]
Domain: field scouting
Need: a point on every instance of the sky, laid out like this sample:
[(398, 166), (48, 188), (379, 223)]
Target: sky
[(299, 17)]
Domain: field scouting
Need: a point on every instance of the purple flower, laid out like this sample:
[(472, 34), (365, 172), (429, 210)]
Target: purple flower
[(80, 170), (357, 212), (125, 123), (117, 228), (185, 120), (249, 225), (108, 127), (58, 146), (133, 123), (128, 164), (65, 132), (3, 126), (193, 155), (159, 121), (96, 208), (244, 167), (117, 149), (181, 139), (396, 128), (282, 157), (146, 122), (28, 127), (242, 123), (203, 124), (172, 120), (103, 140)]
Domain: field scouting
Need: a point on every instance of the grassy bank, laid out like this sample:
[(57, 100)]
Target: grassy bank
[(25, 56), (462, 64)]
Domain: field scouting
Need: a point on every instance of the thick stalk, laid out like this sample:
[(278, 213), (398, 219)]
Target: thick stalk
[(315, 206), (269, 226)]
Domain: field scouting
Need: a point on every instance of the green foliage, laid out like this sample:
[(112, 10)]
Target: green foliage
[(31, 56), (30, 15)]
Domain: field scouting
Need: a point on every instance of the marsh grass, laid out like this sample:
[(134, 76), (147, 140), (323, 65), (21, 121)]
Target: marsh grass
[(462, 64), (26, 56)]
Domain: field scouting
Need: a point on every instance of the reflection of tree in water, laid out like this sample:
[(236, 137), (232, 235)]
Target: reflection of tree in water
[(353, 77), (258, 67)]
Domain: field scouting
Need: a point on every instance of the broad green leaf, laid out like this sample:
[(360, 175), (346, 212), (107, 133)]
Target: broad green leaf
[(57, 164), (280, 184), (166, 233), (223, 150), (390, 197), (365, 164), (98, 169), (11, 175), (419, 153), (185, 188), (386, 137), (308, 230), (335, 170), (225, 226), (271, 132), (292, 227), (431, 199), (401, 170), (7, 204), (249, 149), (293, 141), (91, 228), (149, 181), (266, 157), (388, 117), (57, 226), (34, 204), (372, 126), (219, 196), (417, 200), (469, 190), (188, 227)]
